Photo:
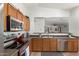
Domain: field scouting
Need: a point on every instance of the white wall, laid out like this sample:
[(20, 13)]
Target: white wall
[(74, 22), (47, 12)]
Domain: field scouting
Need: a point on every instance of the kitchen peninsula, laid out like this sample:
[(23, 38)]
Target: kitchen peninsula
[(54, 42)]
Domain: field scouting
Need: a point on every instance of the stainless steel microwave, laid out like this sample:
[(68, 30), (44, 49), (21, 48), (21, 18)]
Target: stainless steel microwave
[(14, 24)]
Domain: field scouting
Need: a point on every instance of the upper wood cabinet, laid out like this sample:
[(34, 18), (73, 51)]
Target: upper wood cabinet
[(26, 23), (19, 15), (5, 14), (12, 11)]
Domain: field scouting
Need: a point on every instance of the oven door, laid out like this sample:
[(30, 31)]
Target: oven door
[(27, 51)]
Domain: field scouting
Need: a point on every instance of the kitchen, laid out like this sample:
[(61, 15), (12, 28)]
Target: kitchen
[(39, 29)]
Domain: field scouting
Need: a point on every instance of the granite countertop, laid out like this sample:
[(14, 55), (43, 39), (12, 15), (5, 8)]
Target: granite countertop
[(8, 52), (12, 52), (49, 35)]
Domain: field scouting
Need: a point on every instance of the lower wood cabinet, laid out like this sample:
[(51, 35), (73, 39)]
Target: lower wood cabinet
[(72, 45), (53, 44), (36, 44), (46, 44)]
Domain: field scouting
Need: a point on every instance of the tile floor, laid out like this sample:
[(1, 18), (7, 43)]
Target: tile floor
[(36, 54), (64, 53)]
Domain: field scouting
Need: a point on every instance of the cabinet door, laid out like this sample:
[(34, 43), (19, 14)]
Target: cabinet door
[(72, 45), (19, 15), (53, 44), (37, 44), (26, 24), (46, 44), (5, 14), (12, 11)]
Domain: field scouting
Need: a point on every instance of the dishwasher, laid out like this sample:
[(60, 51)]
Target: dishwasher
[(61, 43)]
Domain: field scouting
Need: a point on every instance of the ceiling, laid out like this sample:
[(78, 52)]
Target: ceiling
[(53, 5), (60, 5)]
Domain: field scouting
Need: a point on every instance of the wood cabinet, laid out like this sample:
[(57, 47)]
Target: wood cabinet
[(36, 44), (26, 24), (5, 14), (19, 15), (12, 11), (53, 44), (49, 44), (72, 44), (46, 44)]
